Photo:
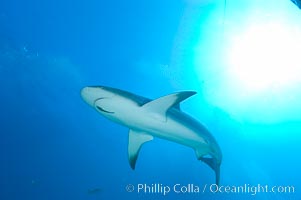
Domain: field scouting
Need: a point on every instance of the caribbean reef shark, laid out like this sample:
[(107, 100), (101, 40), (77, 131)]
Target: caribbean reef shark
[(160, 118)]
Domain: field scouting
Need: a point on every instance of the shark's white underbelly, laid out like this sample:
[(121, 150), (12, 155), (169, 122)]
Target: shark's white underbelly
[(169, 128)]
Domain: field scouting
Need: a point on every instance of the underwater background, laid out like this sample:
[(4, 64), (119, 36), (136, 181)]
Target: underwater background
[(242, 57)]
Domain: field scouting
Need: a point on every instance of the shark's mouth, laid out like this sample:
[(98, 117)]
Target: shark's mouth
[(100, 108), (103, 110)]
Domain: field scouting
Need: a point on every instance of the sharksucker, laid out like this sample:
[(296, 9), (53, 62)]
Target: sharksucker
[(161, 117)]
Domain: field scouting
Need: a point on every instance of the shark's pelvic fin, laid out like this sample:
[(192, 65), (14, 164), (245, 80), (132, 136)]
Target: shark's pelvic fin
[(136, 140), (161, 105)]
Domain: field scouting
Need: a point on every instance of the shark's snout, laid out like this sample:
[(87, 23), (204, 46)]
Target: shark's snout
[(87, 95), (91, 94)]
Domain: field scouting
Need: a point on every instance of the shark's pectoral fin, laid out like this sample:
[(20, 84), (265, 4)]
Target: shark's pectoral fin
[(136, 140), (161, 105)]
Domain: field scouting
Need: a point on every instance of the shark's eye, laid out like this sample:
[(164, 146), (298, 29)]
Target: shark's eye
[(103, 110)]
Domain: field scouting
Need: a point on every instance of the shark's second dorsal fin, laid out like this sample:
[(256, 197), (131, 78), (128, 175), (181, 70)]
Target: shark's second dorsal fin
[(162, 104), (136, 140)]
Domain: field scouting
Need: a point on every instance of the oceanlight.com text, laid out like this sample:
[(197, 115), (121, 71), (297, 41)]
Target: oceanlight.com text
[(164, 189), (250, 189)]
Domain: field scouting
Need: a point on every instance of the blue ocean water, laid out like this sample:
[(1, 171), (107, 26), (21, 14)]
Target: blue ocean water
[(242, 57)]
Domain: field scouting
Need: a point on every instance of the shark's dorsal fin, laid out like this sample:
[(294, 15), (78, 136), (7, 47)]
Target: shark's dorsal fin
[(161, 105), (136, 140)]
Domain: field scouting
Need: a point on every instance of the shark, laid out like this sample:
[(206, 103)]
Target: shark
[(159, 118)]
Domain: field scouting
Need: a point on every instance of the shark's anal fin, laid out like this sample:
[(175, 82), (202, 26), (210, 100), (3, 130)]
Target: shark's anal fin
[(136, 140), (161, 105)]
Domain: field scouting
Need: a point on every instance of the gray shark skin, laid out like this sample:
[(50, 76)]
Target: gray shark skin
[(160, 118)]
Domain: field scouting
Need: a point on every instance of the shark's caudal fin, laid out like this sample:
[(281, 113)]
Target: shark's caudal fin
[(213, 165), (136, 140), (162, 104)]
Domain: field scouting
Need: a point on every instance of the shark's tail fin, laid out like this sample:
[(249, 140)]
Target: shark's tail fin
[(213, 165)]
